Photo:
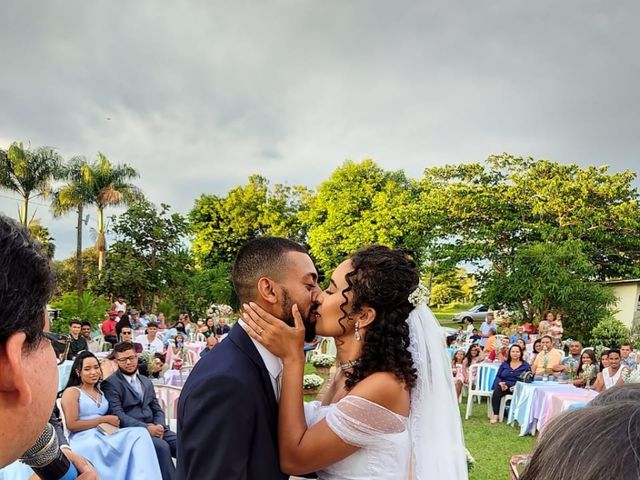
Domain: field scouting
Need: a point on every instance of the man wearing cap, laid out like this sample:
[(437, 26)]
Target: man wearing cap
[(134, 319)]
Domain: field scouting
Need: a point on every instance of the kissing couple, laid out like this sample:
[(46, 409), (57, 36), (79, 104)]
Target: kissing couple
[(391, 411)]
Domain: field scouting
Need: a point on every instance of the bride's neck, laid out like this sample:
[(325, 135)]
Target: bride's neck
[(348, 349)]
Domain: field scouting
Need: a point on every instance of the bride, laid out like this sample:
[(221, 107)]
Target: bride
[(391, 411)]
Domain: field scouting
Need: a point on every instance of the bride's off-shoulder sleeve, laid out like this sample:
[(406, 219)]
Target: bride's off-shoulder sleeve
[(362, 423)]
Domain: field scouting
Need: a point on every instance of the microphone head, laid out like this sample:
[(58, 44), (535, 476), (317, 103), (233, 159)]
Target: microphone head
[(44, 451)]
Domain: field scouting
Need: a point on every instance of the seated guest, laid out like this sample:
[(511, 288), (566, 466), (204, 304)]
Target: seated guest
[(180, 356), (222, 328), (156, 367), (123, 322), (474, 355), (470, 327), (507, 376), (626, 360), (558, 456), (456, 368), (126, 335), (150, 341), (587, 358), (519, 334), (188, 325), (490, 344), (123, 454), (133, 400), (604, 360), (500, 352), (77, 343), (537, 348), (85, 331), (548, 355), (134, 319), (210, 323), (526, 355), (162, 322), (475, 335), (612, 375), (212, 341), (109, 329), (144, 319), (570, 363)]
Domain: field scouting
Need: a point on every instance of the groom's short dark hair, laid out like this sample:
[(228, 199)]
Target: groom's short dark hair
[(260, 257)]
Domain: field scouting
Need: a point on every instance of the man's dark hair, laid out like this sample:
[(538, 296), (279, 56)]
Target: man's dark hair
[(152, 324), (260, 257), (123, 347), (75, 321), (625, 344), (26, 283), (85, 324)]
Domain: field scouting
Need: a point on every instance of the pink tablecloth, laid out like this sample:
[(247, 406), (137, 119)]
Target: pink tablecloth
[(549, 403), (196, 347)]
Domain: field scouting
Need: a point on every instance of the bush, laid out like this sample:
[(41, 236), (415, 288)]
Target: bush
[(610, 332), (91, 309)]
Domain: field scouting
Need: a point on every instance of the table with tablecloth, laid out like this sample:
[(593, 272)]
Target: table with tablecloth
[(532, 405)]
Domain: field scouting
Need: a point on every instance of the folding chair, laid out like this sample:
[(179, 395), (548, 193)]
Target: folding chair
[(483, 374)]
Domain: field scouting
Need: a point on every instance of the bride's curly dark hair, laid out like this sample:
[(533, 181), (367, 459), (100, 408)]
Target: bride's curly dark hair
[(382, 279)]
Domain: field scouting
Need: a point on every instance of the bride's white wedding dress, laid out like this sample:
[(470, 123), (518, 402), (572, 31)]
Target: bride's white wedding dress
[(427, 445), (382, 435)]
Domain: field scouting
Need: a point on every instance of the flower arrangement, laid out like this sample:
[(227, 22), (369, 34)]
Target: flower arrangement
[(147, 357), (312, 381), (220, 310), (573, 367), (323, 360), (545, 363), (628, 375), (420, 296), (588, 372)]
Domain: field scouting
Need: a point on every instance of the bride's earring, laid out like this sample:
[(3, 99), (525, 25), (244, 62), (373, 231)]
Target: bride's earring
[(357, 334)]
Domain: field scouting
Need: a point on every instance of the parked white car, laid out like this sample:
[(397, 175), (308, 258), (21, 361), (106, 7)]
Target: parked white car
[(477, 313)]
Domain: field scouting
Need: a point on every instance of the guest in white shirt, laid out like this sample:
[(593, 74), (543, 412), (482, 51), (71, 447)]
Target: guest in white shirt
[(120, 305), (150, 341)]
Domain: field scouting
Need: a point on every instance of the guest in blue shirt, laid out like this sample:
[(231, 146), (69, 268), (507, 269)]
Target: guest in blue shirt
[(212, 341), (519, 334), (507, 376)]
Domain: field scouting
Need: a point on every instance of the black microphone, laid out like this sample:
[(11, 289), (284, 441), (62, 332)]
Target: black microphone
[(47, 460)]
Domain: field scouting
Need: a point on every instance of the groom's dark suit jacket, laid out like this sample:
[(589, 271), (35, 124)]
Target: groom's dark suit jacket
[(227, 416)]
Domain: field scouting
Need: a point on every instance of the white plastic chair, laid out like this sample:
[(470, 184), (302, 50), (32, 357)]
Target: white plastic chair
[(503, 406), (63, 419), (483, 374)]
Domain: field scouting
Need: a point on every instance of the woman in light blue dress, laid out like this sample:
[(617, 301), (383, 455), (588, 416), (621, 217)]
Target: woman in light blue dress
[(125, 454)]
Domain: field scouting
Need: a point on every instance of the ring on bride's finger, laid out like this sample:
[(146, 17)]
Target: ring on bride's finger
[(261, 330)]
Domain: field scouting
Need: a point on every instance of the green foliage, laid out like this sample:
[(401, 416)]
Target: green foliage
[(551, 276), (221, 225), (359, 205), (29, 173), (453, 286), (147, 256), (65, 271), (489, 211), (610, 333), (92, 308), (43, 237)]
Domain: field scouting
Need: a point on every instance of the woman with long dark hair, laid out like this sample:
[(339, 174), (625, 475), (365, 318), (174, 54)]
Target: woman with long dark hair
[(588, 357), (126, 453), (392, 398), (507, 376)]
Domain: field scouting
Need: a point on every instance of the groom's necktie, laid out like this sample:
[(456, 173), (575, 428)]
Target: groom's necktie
[(278, 386)]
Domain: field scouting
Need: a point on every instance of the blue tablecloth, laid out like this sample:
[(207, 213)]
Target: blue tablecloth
[(520, 409)]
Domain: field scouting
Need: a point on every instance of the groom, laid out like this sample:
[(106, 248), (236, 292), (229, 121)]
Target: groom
[(228, 408)]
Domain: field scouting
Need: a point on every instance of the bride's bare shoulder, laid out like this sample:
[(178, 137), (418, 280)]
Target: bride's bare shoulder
[(385, 389)]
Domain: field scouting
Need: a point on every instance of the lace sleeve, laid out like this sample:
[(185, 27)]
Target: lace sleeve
[(312, 413), (361, 423)]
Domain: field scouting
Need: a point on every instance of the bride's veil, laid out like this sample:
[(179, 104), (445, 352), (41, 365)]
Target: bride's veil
[(436, 430)]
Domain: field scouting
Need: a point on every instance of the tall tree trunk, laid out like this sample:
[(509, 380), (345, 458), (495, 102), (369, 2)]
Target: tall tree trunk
[(79, 283), (100, 243), (25, 211)]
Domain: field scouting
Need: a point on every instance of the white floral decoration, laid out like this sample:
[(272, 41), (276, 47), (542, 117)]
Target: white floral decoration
[(323, 360), (312, 381), (220, 310), (420, 296)]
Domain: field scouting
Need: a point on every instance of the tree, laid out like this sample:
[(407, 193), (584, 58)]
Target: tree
[(148, 253), (361, 204), (551, 276), (66, 271), (221, 225), (487, 212), (91, 308), (108, 186), (41, 235), (452, 286), (74, 195), (28, 173)]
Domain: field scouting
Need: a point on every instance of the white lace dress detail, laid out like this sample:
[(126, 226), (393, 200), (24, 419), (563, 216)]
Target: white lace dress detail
[(381, 435)]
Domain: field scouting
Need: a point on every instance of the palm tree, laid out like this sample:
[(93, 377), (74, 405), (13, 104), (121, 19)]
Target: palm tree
[(28, 173), (74, 195), (108, 186)]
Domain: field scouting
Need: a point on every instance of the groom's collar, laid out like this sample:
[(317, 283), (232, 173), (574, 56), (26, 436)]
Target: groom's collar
[(273, 363)]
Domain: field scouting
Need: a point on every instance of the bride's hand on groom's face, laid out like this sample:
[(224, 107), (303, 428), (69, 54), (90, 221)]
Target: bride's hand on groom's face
[(279, 338)]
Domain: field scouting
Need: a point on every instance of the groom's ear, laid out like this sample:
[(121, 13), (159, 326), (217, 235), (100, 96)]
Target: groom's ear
[(267, 290)]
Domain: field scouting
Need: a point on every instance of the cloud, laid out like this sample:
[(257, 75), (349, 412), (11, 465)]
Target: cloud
[(198, 95)]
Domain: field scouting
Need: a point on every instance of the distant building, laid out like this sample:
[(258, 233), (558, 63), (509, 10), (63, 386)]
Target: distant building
[(627, 294)]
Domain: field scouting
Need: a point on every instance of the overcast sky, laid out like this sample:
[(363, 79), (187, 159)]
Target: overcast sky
[(199, 95)]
